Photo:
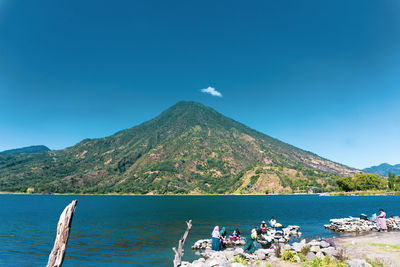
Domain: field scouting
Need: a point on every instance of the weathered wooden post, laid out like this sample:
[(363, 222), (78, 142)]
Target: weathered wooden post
[(56, 256), (179, 252)]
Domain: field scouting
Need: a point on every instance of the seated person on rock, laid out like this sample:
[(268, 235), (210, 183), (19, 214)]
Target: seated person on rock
[(263, 227), (235, 235), (223, 235), (264, 239), (254, 236), (272, 222)]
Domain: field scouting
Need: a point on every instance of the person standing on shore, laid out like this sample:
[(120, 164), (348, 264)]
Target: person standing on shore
[(216, 239), (382, 221)]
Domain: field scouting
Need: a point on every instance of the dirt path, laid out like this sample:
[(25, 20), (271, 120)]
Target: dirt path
[(381, 247)]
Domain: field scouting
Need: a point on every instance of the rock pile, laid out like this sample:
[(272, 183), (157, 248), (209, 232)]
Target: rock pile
[(288, 232), (360, 225), (205, 244), (272, 235), (313, 249)]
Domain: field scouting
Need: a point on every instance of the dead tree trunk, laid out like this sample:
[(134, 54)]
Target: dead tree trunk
[(179, 251), (56, 256)]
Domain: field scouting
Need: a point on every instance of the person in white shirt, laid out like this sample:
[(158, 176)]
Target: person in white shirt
[(272, 222)]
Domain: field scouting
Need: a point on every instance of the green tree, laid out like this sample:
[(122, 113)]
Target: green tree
[(345, 184), (368, 182), (392, 181)]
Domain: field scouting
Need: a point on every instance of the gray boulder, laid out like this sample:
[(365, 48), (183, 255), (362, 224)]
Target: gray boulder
[(319, 255), (198, 264), (358, 263), (212, 263), (315, 249), (331, 251), (324, 244), (225, 264), (229, 254), (238, 251), (287, 247), (310, 256), (297, 246), (260, 255), (314, 243)]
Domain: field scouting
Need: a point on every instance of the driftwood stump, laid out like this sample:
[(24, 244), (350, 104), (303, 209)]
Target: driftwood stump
[(179, 251), (56, 256)]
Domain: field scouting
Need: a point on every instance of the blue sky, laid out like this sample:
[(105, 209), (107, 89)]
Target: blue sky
[(321, 75)]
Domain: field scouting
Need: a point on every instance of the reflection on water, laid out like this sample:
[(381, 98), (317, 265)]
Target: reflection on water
[(141, 230)]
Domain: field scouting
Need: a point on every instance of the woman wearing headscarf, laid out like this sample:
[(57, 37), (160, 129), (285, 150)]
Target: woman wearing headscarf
[(216, 239), (222, 234), (382, 221), (250, 246)]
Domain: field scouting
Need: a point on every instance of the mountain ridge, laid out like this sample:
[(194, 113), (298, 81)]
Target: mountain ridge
[(384, 169), (27, 149), (188, 148)]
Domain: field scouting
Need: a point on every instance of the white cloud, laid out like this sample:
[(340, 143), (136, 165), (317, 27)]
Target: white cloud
[(211, 90)]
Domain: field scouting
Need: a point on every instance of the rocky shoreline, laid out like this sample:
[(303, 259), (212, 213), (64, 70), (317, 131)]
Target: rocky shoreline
[(309, 250), (357, 225), (281, 253)]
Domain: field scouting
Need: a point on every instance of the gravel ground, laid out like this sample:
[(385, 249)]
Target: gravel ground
[(382, 247)]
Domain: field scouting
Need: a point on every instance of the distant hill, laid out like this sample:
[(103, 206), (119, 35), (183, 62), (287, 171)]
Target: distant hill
[(189, 148), (384, 169), (26, 150)]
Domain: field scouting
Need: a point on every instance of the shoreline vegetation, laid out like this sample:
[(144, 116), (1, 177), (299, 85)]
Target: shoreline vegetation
[(358, 185), (340, 193)]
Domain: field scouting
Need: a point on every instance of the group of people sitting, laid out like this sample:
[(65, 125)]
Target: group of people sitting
[(258, 234), (219, 239)]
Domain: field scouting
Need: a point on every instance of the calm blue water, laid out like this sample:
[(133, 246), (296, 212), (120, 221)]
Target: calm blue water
[(140, 230)]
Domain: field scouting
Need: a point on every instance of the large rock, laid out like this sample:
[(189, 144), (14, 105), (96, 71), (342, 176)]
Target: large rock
[(260, 255), (297, 258), (324, 244), (310, 256), (199, 263), (238, 251), (315, 249), (319, 255), (315, 243), (229, 254), (331, 251), (297, 246), (358, 263), (212, 262), (225, 264)]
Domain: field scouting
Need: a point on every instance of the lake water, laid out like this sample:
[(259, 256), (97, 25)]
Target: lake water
[(141, 230)]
